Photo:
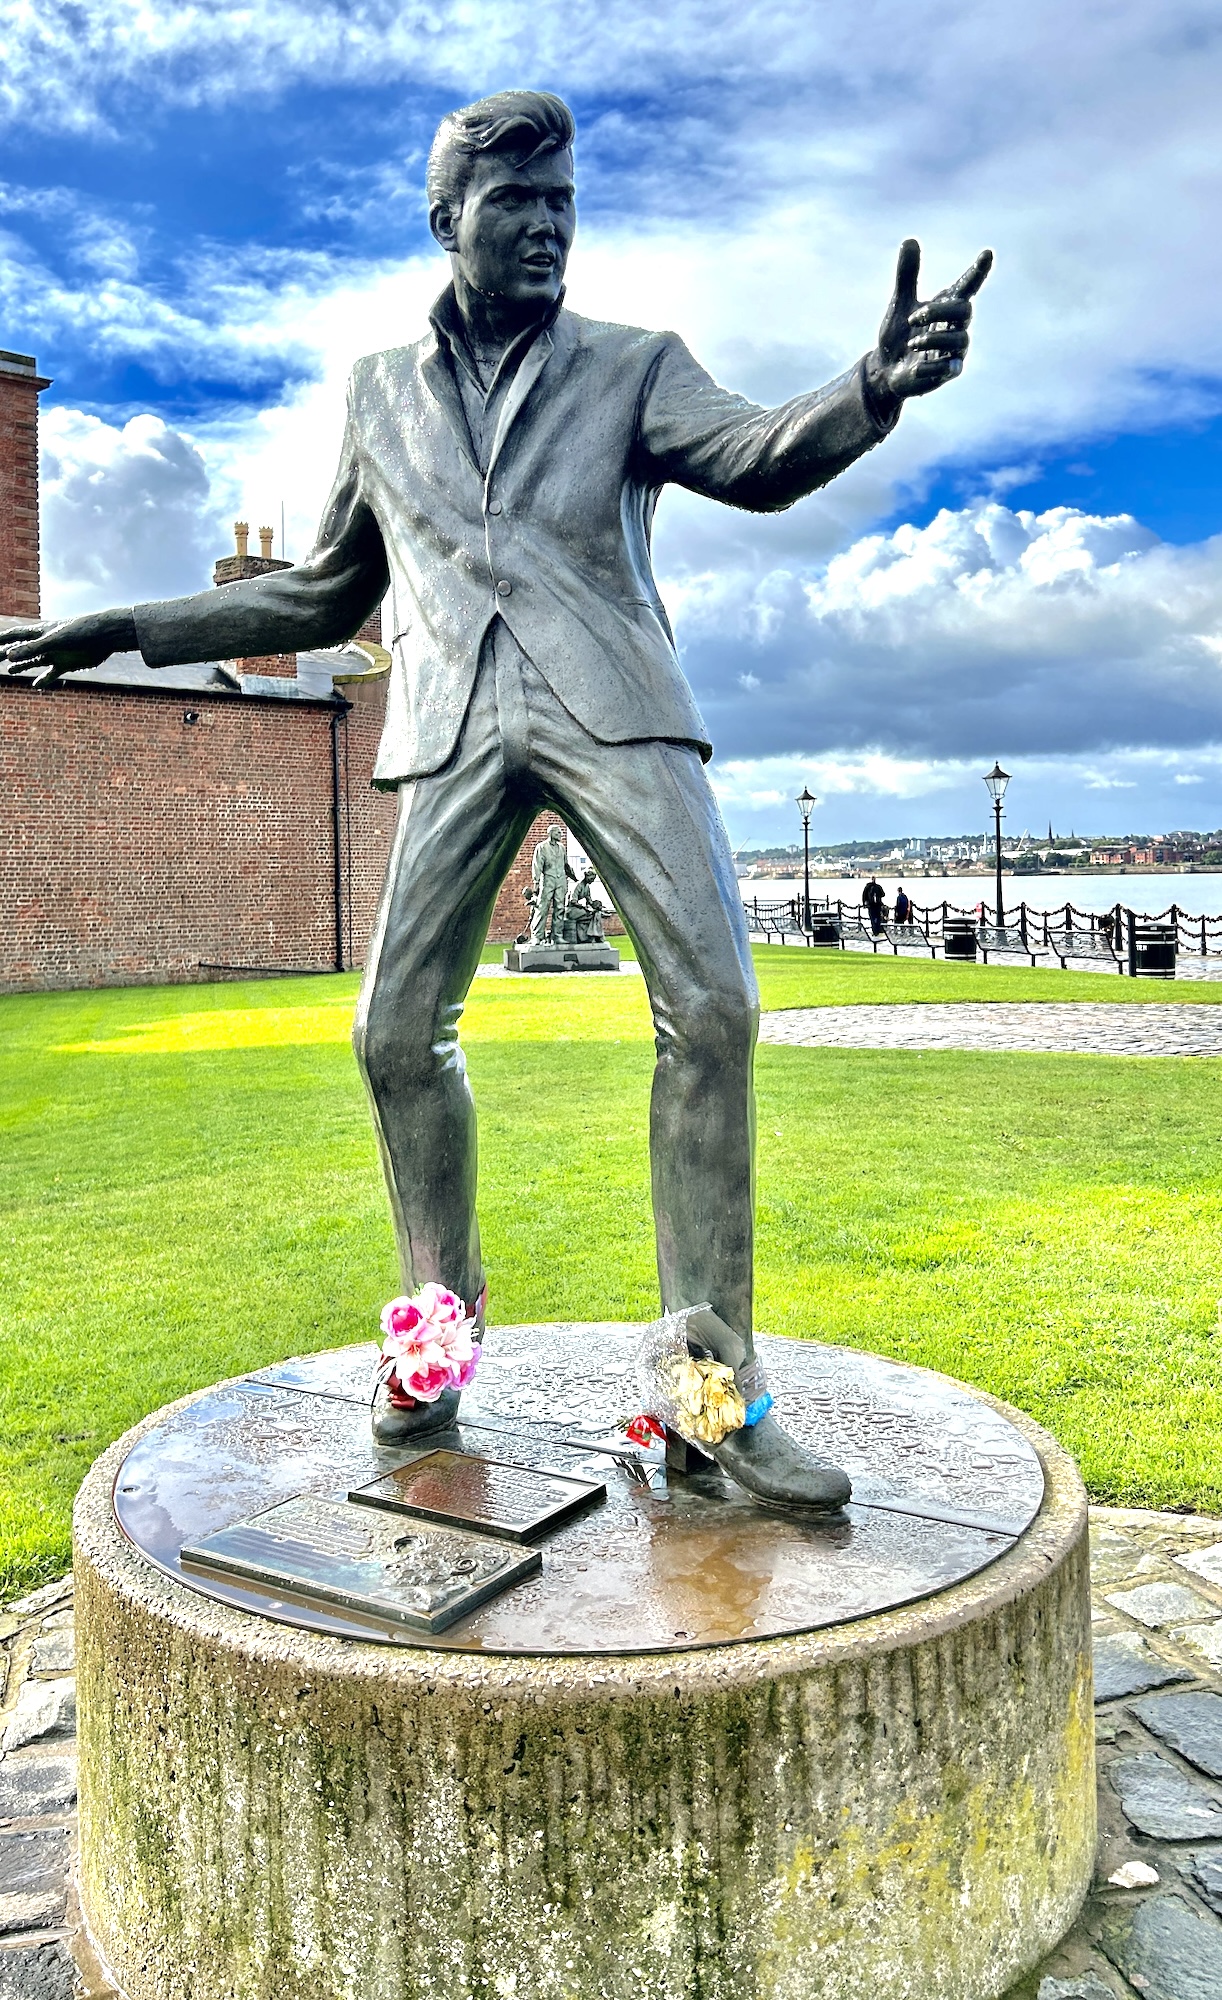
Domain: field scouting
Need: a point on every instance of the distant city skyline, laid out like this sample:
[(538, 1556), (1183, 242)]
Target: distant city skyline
[(208, 214), (918, 847)]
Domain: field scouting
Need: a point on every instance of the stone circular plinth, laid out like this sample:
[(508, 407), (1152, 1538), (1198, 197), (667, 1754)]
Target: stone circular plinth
[(891, 1793)]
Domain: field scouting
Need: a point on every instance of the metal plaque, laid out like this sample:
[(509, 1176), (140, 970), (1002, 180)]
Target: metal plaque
[(460, 1489), (326, 1551)]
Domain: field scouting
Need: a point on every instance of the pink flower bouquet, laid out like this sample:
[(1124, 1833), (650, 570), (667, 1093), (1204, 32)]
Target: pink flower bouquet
[(428, 1346)]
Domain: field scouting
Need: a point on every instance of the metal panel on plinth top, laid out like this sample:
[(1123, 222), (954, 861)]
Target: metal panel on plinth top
[(943, 1485)]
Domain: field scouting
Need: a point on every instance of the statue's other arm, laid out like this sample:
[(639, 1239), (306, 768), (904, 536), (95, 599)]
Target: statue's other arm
[(318, 602), (699, 435)]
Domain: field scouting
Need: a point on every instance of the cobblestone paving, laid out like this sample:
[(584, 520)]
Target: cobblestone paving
[(1050, 1027), (1150, 1929)]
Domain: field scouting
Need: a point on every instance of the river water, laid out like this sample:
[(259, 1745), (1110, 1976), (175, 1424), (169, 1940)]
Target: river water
[(1148, 895)]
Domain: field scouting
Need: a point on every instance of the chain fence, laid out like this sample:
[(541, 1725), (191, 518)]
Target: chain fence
[(1137, 942)]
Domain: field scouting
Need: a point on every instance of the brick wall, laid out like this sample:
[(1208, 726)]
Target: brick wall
[(20, 384), (135, 845), (155, 834)]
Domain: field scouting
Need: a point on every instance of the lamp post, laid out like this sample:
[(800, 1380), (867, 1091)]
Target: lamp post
[(996, 781), (806, 799)]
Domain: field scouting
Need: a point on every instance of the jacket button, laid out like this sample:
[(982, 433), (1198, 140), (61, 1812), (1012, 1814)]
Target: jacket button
[(504, 587), (494, 506)]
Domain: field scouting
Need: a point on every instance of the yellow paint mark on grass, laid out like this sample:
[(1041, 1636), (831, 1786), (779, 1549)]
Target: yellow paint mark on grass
[(545, 1010), (226, 1028)]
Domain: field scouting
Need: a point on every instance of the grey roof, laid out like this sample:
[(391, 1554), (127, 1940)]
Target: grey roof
[(320, 676)]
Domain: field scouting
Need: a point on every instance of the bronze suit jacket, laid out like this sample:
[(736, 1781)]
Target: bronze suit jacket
[(554, 538)]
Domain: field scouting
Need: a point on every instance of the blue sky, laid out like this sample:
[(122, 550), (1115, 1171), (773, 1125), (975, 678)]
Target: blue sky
[(207, 212)]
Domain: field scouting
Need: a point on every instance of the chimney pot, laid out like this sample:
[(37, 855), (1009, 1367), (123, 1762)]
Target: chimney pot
[(20, 388), (265, 544), (241, 536)]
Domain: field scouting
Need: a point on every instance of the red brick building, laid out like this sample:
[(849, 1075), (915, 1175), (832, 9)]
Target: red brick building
[(191, 822)]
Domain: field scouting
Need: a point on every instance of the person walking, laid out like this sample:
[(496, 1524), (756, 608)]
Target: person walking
[(875, 904), (903, 908)]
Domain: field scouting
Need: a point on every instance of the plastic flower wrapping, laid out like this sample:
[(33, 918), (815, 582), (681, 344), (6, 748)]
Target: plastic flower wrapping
[(428, 1346), (699, 1399)]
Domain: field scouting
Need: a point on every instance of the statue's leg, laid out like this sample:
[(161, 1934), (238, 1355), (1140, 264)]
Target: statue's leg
[(456, 837), (646, 815)]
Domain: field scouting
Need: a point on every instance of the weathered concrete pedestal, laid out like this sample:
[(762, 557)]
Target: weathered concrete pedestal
[(709, 1752), (562, 958)]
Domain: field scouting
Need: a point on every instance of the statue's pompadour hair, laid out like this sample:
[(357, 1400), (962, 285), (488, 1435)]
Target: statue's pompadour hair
[(521, 123)]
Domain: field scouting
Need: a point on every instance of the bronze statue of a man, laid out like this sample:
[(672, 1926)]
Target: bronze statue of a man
[(500, 477), (549, 875)]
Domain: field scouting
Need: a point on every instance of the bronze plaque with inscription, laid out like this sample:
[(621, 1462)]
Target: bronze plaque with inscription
[(461, 1490), (329, 1552)]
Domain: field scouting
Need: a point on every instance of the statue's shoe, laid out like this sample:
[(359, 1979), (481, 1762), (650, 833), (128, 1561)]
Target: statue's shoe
[(774, 1470), (395, 1426)]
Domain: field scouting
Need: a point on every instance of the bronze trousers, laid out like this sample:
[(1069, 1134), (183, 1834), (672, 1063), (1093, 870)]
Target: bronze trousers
[(646, 816)]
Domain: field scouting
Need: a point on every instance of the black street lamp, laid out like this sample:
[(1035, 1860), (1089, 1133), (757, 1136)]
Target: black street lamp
[(997, 780), (806, 799)]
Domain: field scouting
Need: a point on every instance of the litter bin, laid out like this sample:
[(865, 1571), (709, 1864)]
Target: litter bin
[(959, 938), (824, 930), (1152, 950)]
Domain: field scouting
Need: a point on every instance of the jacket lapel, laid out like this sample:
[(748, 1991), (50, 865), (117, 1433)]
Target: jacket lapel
[(439, 378), (529, 370)]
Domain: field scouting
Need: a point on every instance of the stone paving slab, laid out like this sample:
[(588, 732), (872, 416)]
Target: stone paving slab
[(1158, 1605), (1161, 1800), (38, 1972), (1158, 1940), (1168, 1949), (1190, 1723), (1038, 1027)]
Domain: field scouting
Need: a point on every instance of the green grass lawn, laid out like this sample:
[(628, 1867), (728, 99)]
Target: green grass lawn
[(189, 1189), (798, 976)]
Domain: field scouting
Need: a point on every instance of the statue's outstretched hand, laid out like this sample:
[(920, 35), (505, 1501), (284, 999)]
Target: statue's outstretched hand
[(922, 346), (71, 647)]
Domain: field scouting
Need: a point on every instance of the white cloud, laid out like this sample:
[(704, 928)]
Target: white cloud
[(127, 512), (747, 175), (109, 517), (750, 188), (990, 628)]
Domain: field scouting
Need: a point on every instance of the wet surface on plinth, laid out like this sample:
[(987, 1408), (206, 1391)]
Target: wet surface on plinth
[(943, 1485)]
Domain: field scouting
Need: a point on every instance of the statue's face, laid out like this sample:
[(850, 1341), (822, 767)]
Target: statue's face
[(511, 237)]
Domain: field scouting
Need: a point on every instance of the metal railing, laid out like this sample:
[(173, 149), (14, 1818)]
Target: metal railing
[(1117, 936)]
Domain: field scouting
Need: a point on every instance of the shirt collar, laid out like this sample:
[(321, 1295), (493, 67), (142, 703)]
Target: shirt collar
[(447, 324)]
